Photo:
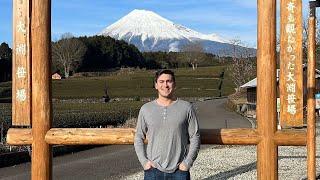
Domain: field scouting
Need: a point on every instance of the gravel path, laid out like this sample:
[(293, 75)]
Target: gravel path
[(239, 162)]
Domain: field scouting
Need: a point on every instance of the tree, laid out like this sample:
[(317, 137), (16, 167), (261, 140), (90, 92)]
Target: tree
[(193, 54), (105, 53), (243, 67), (67, 53), (306, 38), (5, 51), (5, 62)]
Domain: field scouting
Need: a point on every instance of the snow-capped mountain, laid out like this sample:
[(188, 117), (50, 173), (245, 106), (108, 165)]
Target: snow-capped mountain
[(149, 31)]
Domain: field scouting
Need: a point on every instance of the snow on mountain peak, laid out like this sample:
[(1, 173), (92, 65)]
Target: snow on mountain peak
[(149, 31), (147, 24), (216, 37)]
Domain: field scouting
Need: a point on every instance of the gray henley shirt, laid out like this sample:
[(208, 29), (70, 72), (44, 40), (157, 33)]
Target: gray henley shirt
[(169, 130)]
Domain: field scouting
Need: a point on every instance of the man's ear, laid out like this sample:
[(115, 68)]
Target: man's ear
[(155, 85)]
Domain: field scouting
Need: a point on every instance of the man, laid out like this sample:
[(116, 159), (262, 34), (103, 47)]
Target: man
[(168, 124)]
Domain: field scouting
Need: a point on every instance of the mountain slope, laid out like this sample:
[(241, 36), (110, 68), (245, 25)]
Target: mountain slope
[(149, 31)]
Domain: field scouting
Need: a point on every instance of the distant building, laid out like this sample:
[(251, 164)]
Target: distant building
[(56, 76), (251, 89), (251, 86)]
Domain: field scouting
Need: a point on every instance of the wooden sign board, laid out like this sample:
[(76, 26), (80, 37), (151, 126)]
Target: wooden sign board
[(291, 75), (21, 72)]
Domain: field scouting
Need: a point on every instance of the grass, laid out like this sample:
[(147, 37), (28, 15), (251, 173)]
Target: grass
[(76, 115), (5, 90), (202, 82), (135, 84), (85, 115)]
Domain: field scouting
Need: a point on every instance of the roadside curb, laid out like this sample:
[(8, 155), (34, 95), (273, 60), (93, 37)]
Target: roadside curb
[(212, 98), (252, 122)]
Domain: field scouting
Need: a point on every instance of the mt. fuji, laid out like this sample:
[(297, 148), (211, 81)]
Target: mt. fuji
[(150, 32)]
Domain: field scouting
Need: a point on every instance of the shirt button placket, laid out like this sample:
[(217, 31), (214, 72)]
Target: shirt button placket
[(165, 113)]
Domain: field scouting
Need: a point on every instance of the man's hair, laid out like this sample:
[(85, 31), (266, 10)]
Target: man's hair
[(164, 71)]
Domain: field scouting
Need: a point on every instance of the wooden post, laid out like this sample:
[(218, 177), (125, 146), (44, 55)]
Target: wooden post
[(267, 159), (291, 76), (41, 167), (21, 65), (311, 131), (266, 136)]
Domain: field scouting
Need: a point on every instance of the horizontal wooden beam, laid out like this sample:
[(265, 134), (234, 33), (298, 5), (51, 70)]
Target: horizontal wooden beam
[(19, 136), (291, 138), (229, 136), (85, 136), (79, 136)]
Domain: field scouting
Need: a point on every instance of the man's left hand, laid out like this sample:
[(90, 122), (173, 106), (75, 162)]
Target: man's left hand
[(182, 167)]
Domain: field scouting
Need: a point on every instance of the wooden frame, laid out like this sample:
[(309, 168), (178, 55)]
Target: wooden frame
[(21, 66), (85, 136), (266, 136), (291, 78), (311, 85)]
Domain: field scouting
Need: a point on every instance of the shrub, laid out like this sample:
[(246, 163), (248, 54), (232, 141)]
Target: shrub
[(136, 98)]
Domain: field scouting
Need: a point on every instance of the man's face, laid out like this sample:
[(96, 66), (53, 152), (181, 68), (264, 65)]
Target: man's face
[(165, 85)]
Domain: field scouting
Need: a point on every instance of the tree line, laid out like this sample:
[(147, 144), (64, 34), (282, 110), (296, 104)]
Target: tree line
[(99, 53), (5, 62)]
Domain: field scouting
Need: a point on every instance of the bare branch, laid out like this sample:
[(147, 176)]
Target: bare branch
[(68, 52), (193, 54), (243, 67)]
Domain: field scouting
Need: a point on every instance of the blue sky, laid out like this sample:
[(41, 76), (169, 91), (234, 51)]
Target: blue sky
[(228, 18)]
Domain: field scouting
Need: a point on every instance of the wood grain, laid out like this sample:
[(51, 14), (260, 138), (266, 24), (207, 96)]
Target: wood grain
[(291, 63), (21, 110), (267, 155), (311, 130), (41, 161)]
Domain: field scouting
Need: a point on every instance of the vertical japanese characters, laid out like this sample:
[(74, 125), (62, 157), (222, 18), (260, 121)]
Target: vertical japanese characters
[(21, 87), (291, 80)]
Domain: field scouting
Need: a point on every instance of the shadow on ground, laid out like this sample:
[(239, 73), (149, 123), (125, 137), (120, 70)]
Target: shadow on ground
[(249, 167)]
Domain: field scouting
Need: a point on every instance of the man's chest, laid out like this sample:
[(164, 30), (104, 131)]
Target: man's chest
[(166, 118)]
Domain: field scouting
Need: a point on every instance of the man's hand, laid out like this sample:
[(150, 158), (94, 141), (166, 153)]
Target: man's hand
[(182, 167), (148, 165)]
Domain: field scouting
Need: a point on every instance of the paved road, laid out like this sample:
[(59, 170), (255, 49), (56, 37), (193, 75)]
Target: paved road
[(116, 161), (212, 114)]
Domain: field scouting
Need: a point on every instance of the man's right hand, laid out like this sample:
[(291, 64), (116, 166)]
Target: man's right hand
[(148, 165)]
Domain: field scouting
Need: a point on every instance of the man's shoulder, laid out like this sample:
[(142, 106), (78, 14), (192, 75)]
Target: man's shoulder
[(184, 103), (148, 105)]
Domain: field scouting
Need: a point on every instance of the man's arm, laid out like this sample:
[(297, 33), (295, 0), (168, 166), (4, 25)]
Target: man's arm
[(194, 138), (140, 136)]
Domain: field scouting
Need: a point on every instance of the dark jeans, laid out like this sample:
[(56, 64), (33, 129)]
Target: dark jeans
[(155, 174)]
